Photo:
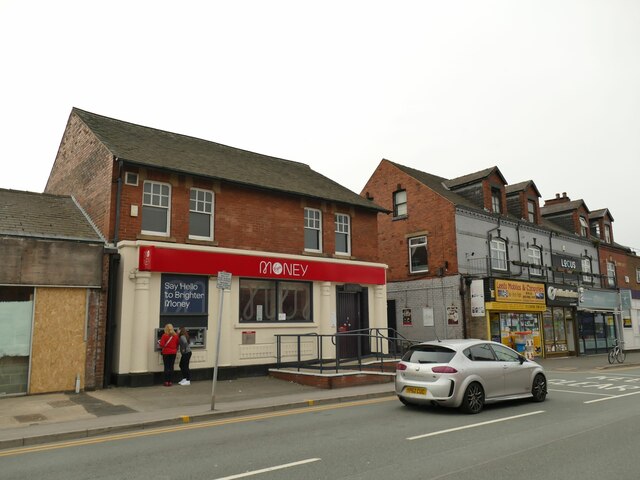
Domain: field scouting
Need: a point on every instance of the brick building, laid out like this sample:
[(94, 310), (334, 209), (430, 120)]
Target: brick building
[(52, 295), (476, 257), (302, 249)]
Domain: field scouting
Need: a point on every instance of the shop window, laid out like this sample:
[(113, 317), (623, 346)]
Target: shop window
[(343, 234), (498, 254), (312, 230), (586, 270), (535, 258), (275, 301), (400, 203), (418, 254), (156, 199), (201, 214), (611, 274)]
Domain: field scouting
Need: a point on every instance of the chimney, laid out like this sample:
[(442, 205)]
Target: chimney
[(558, 199)]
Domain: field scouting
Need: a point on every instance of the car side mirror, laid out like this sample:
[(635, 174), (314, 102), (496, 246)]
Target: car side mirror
[(522, 359)]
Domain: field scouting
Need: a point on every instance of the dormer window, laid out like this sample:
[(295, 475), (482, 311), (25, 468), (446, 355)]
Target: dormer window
[(584, 227), (495, 200), (531, 211), (607, 233), (595, 229)]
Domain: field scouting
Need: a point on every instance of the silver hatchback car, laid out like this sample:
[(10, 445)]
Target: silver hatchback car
[(467, 373)]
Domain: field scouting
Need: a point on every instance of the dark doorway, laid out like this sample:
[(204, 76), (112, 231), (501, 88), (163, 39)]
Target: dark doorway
[(352, 320)]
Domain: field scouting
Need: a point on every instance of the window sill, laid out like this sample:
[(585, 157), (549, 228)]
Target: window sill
[(314, 254), (399, 217), (208, 243), (155, 238)]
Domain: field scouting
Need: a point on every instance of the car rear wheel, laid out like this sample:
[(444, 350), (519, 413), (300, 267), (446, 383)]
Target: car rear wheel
[(473, 400), (539, 388)]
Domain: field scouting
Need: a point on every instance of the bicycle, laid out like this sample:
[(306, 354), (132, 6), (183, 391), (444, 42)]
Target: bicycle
[(616, 353)]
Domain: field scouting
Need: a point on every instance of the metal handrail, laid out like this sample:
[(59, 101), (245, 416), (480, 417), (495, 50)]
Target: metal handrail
[(377, 340)]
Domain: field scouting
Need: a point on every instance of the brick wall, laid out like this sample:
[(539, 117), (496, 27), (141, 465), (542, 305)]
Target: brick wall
[(83, 168), (248, 218), (427, 213)]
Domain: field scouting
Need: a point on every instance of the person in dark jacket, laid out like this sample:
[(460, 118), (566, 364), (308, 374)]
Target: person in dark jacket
[(185, 352), (168, 344)]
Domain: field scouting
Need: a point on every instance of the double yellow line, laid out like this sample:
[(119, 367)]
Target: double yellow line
[(189, 426)]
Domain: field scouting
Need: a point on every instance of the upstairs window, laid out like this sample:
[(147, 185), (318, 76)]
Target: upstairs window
[(312, 230), (535, 258), (595, 229), (611, 274), (584, 227), (495, 200), (343, 234), (498, 254), (400, 203), (586, 270), (637, 275), (201, 214), (607, 233), (531, 211), (156, 198), (418, 254)]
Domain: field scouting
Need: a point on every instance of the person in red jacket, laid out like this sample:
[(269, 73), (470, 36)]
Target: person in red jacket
[(168, 344)]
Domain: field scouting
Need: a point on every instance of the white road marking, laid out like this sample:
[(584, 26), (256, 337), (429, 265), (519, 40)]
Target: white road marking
[(474, 425), (612, 397), (270, 469), (580, 393)]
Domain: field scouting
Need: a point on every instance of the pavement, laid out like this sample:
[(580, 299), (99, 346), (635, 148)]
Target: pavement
[(36, 419)]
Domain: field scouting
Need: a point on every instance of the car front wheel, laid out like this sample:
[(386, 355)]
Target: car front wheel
[(539, 388), (473, 400)]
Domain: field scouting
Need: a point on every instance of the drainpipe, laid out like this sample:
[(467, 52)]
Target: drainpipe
[(519, 248), (118, 200)]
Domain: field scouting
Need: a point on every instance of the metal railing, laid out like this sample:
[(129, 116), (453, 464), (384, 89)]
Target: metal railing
[(344, 349)]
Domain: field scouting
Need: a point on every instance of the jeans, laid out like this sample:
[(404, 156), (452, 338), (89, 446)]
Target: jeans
[(184, 365), (168, 360)]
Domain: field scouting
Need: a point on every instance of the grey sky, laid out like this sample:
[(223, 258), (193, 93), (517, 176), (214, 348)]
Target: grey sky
[(545, 90)]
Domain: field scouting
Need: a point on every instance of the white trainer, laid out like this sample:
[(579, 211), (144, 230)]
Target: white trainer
[(185, 382)]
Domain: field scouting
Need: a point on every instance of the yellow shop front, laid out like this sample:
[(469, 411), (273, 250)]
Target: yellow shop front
[(514, 315)]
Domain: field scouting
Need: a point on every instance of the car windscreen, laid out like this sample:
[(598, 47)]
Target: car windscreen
[(428, 354)]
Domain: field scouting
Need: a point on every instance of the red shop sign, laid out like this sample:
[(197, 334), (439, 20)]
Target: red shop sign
[(169, 260)]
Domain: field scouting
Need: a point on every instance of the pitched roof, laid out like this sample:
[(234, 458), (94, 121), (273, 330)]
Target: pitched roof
[(519, 187), (473, 177), (600, 213), (150, 147), (41, 215), (562, 207)]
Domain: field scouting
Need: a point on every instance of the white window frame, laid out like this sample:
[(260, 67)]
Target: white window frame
[(607, 233), (415, 243), (131, 178), (343, 228), (584, 227), (586, 270), (637, 275), (596, 229), (611, 274), (313, 222), (400, 203), (498, 254), (200, 204), (531, 211), (496, 201), (156, 202), (535, 258)]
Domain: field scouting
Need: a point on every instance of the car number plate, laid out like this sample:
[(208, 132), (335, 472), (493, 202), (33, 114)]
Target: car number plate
[(416, 390)]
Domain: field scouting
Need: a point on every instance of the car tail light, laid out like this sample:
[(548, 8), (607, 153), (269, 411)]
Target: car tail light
[(446, 369), (401, 366)]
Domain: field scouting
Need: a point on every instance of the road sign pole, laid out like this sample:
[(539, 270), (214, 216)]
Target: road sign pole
[(224, 283)]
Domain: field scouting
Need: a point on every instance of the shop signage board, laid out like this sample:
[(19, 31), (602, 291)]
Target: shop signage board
[(512, 291), (183, 295), (158, 259), (598, 299), (562, 295)]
